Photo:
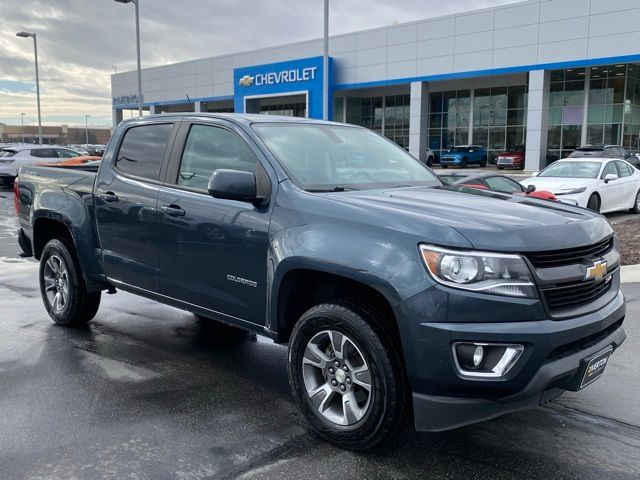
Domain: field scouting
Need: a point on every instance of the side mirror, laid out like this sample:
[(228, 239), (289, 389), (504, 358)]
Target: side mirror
[(233, 185), (610, 177), (530, 189)]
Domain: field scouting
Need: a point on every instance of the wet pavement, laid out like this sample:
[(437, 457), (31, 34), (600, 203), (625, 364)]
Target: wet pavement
[(148, 392)]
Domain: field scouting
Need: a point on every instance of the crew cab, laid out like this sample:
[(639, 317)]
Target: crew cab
[(398, 297)]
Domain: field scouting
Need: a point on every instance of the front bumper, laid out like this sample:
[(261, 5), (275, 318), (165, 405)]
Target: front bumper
[(553, 359), (450, 161)]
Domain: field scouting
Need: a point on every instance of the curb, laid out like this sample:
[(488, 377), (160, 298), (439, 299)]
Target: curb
[(630, 273)]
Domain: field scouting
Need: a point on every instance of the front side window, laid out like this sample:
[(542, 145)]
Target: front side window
[(569, 169), (43, 153), (64, 153), (502, 184), (323, 157), (142, 150), (211, 148)]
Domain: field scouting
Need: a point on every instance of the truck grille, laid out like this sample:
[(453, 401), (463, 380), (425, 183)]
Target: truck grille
[(572, 295), (570, 256)]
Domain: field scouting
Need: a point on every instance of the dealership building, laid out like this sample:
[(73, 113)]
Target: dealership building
[(548, 74)]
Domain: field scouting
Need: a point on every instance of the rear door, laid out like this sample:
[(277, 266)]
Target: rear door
[(628, 184), (213, 252), (126, 205), (611, 193)]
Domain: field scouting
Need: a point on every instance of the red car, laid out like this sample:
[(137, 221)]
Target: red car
[(512, 158), (495, 183), (87, 163)]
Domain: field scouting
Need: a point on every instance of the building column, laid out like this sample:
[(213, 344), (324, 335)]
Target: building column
[(153, 109), (419, 120), (116, 115), (537, 120), (197, 106)]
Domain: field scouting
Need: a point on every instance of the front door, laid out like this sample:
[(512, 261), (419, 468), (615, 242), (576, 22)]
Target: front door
[(126, 206), (213, 252)]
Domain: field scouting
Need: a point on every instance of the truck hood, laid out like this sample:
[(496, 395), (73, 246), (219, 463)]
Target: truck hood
[(488, 220)]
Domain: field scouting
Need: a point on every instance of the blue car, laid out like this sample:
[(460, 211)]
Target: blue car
[(461, 156)]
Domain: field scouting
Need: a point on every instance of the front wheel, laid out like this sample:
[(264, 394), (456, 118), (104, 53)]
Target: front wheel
[(62, 287), (346, 374), (463, 163), (444, 166), (594, 203)]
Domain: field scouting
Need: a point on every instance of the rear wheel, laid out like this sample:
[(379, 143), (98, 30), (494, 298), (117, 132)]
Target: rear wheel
[(7, 181), (483, 161), (636, 205), (500, 168), (463, 163), (62, 287), (430, 162), (346, 374), (594, 203)]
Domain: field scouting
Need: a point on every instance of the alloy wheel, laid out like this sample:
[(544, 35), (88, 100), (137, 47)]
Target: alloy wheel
[(337, 377), (56, 283)]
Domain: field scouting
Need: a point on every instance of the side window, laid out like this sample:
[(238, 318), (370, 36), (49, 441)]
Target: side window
[(609, 168), (142, 150), (504, 185), (609, 152), (209, 148), (624, 170), (64, 153)]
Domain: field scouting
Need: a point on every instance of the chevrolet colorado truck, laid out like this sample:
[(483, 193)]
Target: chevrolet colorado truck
[(399, 298)]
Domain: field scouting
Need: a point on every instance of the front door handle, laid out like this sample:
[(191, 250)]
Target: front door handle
[(109, 197), (173, 210)]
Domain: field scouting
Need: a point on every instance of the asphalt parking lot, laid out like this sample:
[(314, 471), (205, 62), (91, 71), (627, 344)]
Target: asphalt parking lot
[(148, 392)]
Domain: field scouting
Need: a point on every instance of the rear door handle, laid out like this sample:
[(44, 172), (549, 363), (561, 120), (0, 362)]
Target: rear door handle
[(109, 197), (173, 210)]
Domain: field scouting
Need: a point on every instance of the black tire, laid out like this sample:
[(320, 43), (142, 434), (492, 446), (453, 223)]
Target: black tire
[(430, 162), (464, 162), (500, 168), (444, 166), (7, 181), (371, 331), (81, 306), (636, 205), (594, 203), (483, 161)]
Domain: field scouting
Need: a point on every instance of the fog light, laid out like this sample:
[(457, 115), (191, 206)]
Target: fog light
[(491, 360), (478, 356)]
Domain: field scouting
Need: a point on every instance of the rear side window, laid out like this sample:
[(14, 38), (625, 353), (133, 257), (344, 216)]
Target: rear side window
[(142, 150), (43, 153), (210, 148), (624, 170)]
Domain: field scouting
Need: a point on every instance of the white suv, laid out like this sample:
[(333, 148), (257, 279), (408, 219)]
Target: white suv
[(12, 158)]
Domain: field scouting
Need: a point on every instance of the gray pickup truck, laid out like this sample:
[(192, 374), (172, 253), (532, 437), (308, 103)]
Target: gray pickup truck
[(399, 298)]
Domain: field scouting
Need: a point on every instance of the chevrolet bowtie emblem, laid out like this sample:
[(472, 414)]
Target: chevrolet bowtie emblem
[(597, 271), (246, 81)]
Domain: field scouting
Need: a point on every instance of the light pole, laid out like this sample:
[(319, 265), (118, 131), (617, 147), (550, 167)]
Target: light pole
[(35, 51), (86, 129), (325, 64), (136, 2), (22, 125)]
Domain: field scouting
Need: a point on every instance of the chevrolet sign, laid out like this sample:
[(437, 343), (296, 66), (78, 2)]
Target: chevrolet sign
[(275, 78), (597, 271)]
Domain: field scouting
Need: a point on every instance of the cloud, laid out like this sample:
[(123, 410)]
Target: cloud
[(80, 41)]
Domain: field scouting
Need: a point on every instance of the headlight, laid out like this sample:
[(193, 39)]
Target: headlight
[(495, 273), (573, 191)]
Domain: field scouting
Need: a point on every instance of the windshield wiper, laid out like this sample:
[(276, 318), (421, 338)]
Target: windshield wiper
[(337, 188)]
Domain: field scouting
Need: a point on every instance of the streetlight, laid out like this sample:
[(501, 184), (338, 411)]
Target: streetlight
[(22, 125), (35, 51), (325, 64), (86, 129), (136, 2)]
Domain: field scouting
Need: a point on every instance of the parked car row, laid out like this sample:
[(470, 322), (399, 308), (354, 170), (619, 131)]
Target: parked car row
[(15, 156), (514, 156)]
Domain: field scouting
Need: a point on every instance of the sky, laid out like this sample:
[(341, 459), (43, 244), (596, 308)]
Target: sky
[(82, 42)]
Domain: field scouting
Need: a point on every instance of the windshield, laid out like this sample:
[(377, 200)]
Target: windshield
[(7, 153), (572, 169), (585, 152), (334, 157), (461, 149)]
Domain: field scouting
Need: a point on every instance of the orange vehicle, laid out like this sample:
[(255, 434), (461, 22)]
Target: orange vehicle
[(86, 162)]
